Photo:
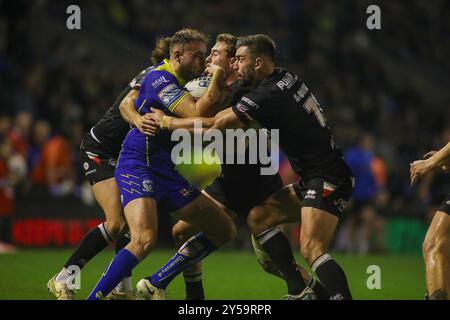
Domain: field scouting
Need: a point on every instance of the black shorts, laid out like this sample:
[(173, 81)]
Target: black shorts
[(244, 194), (445, 206), (98, 163), (330, 192)]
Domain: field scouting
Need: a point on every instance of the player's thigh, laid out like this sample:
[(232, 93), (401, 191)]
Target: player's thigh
[(207, 216), (183, 230), (107, 195), (285, 204), (281, 207), (228, 211), (142, 218)]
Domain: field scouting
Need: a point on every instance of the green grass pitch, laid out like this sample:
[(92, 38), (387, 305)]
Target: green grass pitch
[(227, 275)]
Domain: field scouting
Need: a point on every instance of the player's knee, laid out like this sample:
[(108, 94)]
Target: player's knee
[(427, 247), (179, 235), (144, 242), (311, 250), (251, 222), (116, 227), (232, 232), (436, 245), (227, 233), (259, 221)]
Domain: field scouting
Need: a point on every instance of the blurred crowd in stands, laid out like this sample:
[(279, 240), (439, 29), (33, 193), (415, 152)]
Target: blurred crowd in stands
[(385, 92)]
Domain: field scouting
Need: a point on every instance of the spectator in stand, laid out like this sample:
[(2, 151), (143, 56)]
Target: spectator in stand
[(54, 167), (20, 133), (6, 196), (12, 173), (5, 125), (362, 160)]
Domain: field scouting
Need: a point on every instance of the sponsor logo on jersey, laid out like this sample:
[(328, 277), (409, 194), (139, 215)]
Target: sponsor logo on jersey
[(250, 102), (311, 194), (203, 84), (91, 172), (340, 204), (147, 185), (134, 83), (243, 109), (170, 93), (159, 81), (186, 192), (112, 162), (86, 166), (287, 81), (94, 157), (301, 93)]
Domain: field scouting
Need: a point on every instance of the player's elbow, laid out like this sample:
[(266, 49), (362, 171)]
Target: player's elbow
[(124, 107), (128, 102), (213, 97)]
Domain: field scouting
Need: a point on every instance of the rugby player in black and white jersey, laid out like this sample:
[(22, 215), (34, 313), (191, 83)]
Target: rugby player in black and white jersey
[(99, 150), (279, 100), (436, 246)]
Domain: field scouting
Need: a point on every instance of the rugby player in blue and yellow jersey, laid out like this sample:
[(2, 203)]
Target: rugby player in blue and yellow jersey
[(147, 178)]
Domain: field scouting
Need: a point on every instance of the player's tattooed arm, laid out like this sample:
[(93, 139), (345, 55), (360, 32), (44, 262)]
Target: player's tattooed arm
[(144, 123), (210, 103), (434, 160)]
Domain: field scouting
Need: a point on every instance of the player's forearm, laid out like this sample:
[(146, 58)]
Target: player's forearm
[(209, 104), (190, 124), (442, 157), (127, 109)]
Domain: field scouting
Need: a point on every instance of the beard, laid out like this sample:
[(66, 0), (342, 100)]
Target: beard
[(248, 79), (187, 73)]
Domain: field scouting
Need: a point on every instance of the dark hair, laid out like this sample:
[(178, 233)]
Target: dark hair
[(187, 36), (230, 41), (258, 44), (161, 50)]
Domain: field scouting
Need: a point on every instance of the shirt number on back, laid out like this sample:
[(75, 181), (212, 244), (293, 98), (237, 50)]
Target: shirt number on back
[(311, 105)]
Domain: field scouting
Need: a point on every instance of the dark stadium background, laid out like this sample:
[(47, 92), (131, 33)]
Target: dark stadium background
[(387, 89)]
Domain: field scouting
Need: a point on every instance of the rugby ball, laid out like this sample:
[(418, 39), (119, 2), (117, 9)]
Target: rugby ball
[(198, 86)]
